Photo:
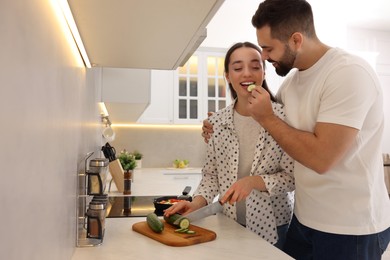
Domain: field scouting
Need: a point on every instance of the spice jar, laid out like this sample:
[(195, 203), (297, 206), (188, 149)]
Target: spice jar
[(96, 219), (97, 175), (127, 182), (126, 205)]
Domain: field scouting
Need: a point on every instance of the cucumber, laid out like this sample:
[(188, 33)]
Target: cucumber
[(154, 223), (184, 222), (251, 87), (185, 230)]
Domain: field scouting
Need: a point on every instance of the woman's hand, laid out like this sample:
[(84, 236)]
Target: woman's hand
[(242, 188), (182, 207), (185, 207)]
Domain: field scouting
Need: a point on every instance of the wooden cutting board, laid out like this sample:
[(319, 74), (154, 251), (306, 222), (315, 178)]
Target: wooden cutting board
[(171, 238)]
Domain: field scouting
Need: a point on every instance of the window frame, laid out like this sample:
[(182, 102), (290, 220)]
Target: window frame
[(202, 80)]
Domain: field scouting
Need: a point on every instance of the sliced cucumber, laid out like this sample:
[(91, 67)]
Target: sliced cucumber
[(185, 231), (251, 87), (183, 221), (181, 230)]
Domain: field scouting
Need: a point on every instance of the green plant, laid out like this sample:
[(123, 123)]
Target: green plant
[(127, 160), (137, 155)]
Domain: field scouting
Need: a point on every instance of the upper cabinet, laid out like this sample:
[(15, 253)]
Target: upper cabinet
[(145, 34), (185, 95), (125, 92)]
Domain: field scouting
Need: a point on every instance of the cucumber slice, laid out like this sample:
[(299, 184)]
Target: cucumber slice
[(183, 221), (251, 87), (181, 230)]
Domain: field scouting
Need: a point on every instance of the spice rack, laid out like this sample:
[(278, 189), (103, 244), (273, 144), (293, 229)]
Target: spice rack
[(91, 203)]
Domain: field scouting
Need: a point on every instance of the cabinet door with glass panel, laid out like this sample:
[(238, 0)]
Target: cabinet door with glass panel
[(200, 87)]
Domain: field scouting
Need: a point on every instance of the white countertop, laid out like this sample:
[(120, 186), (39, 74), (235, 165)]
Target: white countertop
[(233, 242)]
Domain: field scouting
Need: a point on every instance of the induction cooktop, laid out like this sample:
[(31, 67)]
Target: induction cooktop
[(130, 206)]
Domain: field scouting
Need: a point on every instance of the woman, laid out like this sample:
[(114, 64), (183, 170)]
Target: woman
[(244, 164)]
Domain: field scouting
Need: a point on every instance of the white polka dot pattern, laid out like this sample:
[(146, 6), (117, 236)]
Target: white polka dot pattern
[(265, 210)]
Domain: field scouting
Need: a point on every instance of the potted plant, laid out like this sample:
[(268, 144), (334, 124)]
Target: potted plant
[(128, 163), (138, 157)]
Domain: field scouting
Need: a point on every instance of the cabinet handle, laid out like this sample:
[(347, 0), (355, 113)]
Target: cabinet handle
[(180, 177)]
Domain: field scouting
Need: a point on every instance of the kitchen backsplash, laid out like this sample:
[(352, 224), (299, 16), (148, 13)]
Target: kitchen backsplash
[(160, 146)]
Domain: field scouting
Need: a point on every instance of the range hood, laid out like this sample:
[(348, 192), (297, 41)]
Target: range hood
[(147, 34), (125, 92)]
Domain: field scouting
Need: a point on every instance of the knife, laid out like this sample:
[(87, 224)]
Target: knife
[(203, 212)]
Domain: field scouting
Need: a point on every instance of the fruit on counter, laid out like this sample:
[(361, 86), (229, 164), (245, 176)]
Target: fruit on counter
[(180, 163), (251, 87), (154, 223), (184, 222)]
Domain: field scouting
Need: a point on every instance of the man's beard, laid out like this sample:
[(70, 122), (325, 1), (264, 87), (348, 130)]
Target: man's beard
[(286, 63)]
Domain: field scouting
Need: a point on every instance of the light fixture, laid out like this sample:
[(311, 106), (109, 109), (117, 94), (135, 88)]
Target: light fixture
[(75, 32), (103, 109)]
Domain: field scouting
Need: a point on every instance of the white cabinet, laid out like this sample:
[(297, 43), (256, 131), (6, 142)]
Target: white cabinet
[(124, 33), (125, 92), (160, 110), (160, 181), (185, 95), (182, 179)]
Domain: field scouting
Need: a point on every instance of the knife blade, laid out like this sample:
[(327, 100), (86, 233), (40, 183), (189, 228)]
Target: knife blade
[(203, 212)]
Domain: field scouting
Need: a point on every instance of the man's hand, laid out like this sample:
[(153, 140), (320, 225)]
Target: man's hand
[(260, 106), (207, 128)]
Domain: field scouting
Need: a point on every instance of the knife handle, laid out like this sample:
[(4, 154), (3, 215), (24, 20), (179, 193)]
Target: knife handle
[(220, 202), (186, 190)]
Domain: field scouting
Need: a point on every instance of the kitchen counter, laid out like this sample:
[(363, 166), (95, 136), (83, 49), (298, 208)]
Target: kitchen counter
[(233, 242)]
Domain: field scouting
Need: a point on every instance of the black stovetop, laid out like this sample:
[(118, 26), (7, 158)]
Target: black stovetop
[(130, 206)]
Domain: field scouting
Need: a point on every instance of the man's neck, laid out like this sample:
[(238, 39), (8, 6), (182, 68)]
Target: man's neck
[(312, 52)]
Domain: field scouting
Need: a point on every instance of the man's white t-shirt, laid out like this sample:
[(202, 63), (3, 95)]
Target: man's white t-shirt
[(351, 198)]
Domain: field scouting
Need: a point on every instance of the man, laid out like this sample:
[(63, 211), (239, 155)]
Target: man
[(333, 129)]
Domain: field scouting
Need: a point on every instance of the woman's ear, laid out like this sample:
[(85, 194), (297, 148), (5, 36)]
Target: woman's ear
[(227, 77)]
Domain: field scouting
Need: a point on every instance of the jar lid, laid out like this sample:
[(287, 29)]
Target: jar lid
[(96, 205), (99, 162)]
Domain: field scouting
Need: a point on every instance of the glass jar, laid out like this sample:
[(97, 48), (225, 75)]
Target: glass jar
[(96, 219), (127, 182)]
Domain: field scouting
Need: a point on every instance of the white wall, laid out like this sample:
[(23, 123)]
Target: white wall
[(376, 42), (49, 120)]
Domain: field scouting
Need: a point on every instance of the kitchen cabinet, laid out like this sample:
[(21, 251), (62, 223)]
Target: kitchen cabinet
[(125, 92), (145, 34), (162, 181), (160, 110), (185, 95)]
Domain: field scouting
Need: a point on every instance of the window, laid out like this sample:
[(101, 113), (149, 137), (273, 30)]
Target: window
[(200, 87)]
